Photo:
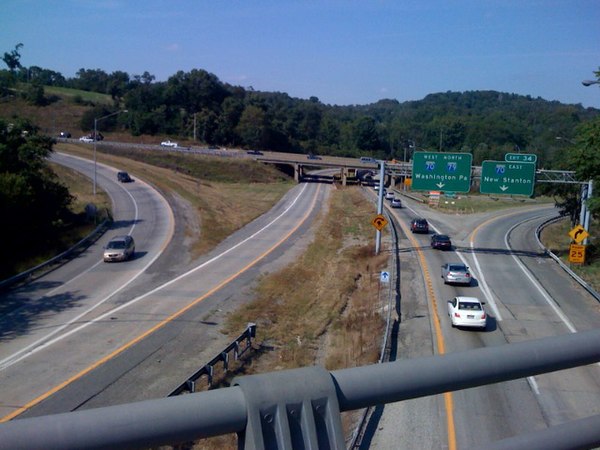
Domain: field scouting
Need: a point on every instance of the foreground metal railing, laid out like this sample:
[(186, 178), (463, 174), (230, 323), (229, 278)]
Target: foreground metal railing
[(208, 369), (301, 408)]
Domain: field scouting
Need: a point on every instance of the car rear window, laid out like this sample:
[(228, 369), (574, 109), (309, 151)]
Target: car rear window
[(458, 268), (469, 306)]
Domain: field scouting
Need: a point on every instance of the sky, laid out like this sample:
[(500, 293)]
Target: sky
[(342, 52)]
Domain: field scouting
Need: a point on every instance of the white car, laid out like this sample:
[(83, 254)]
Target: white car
[(169, 144), (467, 312), (396, 203), (389, 195), (86, 139)]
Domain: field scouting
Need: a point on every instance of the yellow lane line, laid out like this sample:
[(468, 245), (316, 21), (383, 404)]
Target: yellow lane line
[(439, 338), (158, 326)]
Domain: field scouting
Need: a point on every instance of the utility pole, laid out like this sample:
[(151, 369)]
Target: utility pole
[(195, 127)]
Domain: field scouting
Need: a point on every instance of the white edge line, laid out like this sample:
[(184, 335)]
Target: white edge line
[(7, 362)]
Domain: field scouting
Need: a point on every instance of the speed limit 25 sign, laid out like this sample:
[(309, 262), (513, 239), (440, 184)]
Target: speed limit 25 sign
[(577, 253)]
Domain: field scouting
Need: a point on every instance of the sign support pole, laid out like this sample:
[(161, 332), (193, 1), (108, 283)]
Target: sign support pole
[(380, 204), (586, 219)]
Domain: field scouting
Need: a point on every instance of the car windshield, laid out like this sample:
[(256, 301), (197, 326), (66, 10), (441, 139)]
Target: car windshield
[(442, 238), (469, 306), (457, 268), (116, 245)]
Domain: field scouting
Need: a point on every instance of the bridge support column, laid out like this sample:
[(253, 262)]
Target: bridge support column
[(344, 176), (297, 173)]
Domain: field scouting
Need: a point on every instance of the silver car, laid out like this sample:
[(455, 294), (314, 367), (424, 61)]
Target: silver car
[(119, 248), (456, 273), (396, 203)]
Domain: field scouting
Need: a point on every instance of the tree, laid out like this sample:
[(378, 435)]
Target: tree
[(365, 134), (12, 59), (30, 193), (584, 158), (251, 127)]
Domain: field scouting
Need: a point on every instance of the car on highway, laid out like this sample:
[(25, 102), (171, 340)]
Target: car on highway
[(254, 152), (367, 159), (119, 248), (389, 195), (124, 177), (169, 143), (86, 139), (441, 242), (456, 273), (467, 312), (64, 134), (396, 203), (419, 225), (313, 156)]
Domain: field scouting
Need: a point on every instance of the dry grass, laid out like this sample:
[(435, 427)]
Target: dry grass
[(81, 188), (219, 206), (324, 307), (556, 238), (470, 204)]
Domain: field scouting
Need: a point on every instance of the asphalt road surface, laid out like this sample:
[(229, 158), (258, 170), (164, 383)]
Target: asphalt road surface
[(528, 296), (101, 342)]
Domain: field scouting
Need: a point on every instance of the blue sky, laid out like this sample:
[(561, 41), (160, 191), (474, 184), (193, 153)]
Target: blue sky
[(343, 52)]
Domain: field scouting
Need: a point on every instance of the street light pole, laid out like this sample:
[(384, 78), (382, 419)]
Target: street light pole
[(96, 120)]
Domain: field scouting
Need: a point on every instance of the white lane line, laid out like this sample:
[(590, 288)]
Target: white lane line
[(535, 283), (531, 380), (478, 272), (28, 351), (10, 360)]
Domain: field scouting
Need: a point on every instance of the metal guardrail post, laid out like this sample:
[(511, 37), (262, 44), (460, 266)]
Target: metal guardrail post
[(291, 409)]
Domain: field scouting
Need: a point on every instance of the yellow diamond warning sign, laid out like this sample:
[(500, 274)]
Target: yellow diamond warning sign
[(578, 234), (379, 222)]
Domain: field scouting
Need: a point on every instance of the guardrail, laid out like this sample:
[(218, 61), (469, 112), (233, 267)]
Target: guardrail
[(301, 408), (560, 262), (45, 266), (207, 370)]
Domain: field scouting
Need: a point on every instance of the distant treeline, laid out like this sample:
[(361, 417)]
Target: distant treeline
[(487, 124)]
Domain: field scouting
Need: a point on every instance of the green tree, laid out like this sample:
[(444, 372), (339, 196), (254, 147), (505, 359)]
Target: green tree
[(252, 126), (33, 202), (584, 158), (13, 59)]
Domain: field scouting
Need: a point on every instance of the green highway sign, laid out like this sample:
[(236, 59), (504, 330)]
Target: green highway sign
[(520, 157), (441, 171), (507, 178)]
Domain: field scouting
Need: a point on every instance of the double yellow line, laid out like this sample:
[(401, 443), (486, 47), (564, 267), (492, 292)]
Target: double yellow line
[(439, 338)]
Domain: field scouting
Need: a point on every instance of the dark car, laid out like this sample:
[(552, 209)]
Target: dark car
[(254, 152), (441, 241), (311, 156), (124, 177), (64, 134), (419, 225)]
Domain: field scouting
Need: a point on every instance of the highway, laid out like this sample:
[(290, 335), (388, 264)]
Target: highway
[(528, 296), (91, 334), (122, 332)]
